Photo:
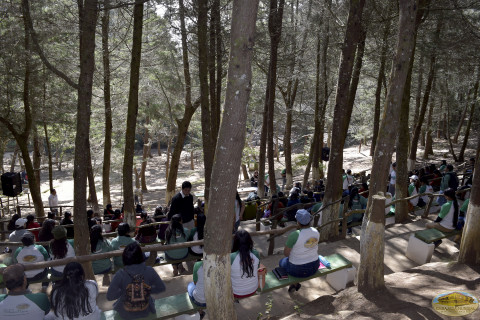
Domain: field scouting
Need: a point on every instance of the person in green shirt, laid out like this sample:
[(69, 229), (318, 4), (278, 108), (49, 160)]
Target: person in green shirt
[(99, 245), (448, 217), (120, 242)]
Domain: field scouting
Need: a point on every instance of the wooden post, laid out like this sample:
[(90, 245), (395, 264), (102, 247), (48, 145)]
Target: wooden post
[(427, 209)]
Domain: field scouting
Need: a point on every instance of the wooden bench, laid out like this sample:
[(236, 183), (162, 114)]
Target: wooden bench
[(421, 244), (168, 307)]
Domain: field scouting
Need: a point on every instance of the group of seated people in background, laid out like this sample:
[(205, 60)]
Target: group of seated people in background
[(73, 296)]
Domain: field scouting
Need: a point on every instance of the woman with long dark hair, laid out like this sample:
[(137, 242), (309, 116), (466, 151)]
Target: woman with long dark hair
[(99, 245), (176, 233), (134, 262), (11, 223), (197, 233), (448, 217), (245, 262), (45, 233), (74, 297), (146, 234), (60, 248)]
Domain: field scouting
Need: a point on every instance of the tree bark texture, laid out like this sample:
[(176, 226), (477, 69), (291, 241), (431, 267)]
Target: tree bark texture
[(228, 154), (369, 280), (470, 244), (275, 19), (461, 155), (146, 149), (333, 189), (182, 124), (88, 10), (37, 154), (428, 131), (49, 151), (208, 138), (132, 112), (462, 119), (91, 183), (107, 147)]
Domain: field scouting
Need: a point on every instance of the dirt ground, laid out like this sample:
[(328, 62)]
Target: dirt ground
[(409, 288)]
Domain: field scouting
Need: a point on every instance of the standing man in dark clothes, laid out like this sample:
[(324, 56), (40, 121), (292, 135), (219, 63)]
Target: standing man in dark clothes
[(182, 204)]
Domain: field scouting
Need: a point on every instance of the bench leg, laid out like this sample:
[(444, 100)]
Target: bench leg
[(389, 220), (419, 251), (106, 280), (338, 280)]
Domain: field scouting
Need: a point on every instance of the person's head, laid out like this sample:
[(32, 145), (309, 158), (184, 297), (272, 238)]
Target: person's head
[(303, 217), (424, 180), (14, 277), (186, 187), (365, 186), (70, 297), (20, 223), (95, 236), (89, 213), (413, 178), (449, 193), (294, 196), (67, 214), (255, 173), (30, 218), (349, 171), (117, 213), (109, 206), (132, 254), (394, 165), (144, 215), (138, 208), (449, 168), (58, 245), (159, 211), (174, 227), (310, 194), (53, 191), (28, 239), (444, 162), (123, 229), (298, 185), (472, 161), (281, 194), (50, 215), (243, 243), (11, 223)]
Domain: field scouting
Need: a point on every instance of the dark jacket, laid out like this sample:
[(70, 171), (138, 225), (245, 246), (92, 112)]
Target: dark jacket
[(121, 279), (182, 206)]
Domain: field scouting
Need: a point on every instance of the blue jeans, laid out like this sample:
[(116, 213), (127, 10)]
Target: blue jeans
[(441, 199), (235, 227), (40, 276), (300, 270), (191, 286)]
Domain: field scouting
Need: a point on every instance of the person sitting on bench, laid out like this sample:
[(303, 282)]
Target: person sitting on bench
[(301, 250), (60, 248), (176, 233), (245, 262), (448, 216)]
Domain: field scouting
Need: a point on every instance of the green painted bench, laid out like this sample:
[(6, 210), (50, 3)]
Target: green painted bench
[(172, 306), (432, 235), (421, 244)]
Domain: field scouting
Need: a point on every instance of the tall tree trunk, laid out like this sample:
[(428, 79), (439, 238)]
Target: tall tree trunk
[(208, 138), (428, 131), (419, 117), (3, 144), (182, 124), (371, 271), (88, 10), (403, 136), (49, 151), (146, 149), (470, 246), (418, 96), (333, 190), (107, 147), (91, 183), (37, 155), (461, 155), (218, 287), (132, 113), (462, 119)]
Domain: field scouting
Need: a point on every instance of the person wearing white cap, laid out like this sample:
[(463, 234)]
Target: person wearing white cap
[(301, 249), (413, 190), (16, 236)]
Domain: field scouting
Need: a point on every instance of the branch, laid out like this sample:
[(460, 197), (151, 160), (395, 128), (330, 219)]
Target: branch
[(38, 49)]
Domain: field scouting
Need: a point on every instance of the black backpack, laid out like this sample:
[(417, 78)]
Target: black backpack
[(137, 294), (453, 181)]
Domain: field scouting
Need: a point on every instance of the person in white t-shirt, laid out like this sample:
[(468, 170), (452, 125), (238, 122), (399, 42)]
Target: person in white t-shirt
[(301, 250), (74, 297), (245, 262), (53, 201), (20, 303)]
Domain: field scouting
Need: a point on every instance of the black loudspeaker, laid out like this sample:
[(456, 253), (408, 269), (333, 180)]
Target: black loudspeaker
[(11, 184)]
